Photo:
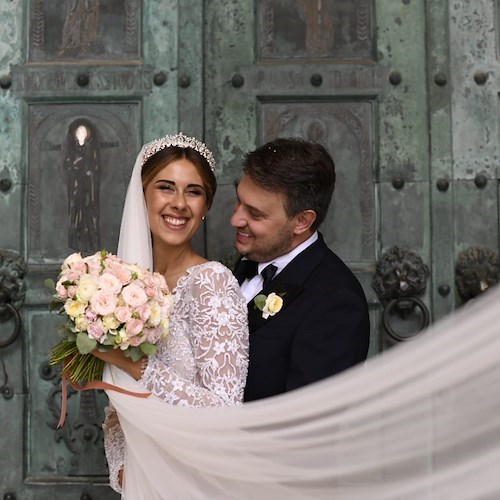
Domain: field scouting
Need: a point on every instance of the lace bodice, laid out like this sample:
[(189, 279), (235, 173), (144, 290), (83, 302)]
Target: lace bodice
[(203, 360)]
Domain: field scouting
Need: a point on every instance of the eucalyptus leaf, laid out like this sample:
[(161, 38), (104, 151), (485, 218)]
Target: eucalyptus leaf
[(148, 349), (84, 344), (50, 285), (134, 353)]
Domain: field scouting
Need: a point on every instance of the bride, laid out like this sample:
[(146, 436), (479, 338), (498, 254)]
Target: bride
[(203, 361)]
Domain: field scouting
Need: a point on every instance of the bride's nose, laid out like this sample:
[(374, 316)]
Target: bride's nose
[(179, 200)]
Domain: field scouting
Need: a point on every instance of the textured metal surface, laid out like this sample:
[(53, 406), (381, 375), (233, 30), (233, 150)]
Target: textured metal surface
[(76, 191), (404, 94)]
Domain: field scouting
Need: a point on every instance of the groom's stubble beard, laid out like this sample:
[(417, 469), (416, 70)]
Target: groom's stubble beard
[(266, 248)]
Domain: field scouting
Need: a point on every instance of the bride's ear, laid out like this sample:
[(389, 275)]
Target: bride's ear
[(304, 220)]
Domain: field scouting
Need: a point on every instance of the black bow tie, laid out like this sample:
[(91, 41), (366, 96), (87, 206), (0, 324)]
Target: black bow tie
[(247, 269)]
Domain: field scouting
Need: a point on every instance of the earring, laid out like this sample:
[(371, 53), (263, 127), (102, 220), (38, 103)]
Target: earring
[(203, 218)]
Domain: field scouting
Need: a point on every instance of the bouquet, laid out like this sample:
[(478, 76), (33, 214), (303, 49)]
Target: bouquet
[(109, 304)]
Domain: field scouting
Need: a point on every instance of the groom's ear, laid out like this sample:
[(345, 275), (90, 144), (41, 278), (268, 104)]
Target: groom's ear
[(304, 220)]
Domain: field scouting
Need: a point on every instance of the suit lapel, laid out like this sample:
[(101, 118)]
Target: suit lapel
[(289, 282), (288, 292)]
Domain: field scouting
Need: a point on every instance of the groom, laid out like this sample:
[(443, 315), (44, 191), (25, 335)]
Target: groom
[(307, 312)]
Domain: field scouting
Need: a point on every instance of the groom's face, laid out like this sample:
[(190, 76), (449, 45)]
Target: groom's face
[(263, 229)]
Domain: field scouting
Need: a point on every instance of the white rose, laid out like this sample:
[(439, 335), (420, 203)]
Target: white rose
[(273, 305)]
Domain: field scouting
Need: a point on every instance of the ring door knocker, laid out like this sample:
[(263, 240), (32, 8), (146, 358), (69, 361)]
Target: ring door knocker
[(400, 278), (12, 292), (476, 270)]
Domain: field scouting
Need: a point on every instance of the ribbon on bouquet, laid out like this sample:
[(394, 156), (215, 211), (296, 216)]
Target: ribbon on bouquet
[(97, 384)]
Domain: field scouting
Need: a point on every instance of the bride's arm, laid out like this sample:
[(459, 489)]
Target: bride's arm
[(219, 330)]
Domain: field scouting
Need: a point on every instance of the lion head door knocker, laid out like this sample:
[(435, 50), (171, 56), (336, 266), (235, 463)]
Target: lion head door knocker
[(476, 270), (12, 292), (400, 278)]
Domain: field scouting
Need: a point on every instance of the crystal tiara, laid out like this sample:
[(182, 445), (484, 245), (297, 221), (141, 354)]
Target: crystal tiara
[(181, 141)]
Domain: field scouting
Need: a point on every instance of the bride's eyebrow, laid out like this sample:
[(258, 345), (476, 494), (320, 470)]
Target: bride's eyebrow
[(172, 183)]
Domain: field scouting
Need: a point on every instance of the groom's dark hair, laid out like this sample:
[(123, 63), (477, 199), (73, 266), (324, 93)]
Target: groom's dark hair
[(303, 171)]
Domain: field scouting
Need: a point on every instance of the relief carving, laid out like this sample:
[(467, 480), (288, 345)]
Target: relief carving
[(315, 28), (82, 168), (79, 36), (84, 29), (318, 16)]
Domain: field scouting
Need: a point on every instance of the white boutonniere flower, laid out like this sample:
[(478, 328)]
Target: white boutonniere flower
[(269, 304)]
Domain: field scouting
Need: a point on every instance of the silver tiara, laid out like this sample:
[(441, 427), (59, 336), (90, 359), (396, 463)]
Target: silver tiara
[(181, 141)]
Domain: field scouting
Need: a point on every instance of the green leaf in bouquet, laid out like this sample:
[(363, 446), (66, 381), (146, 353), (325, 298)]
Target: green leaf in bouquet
[(84, 343), (56, 305), (50, 285), (110, 340), (148, 349), (134, 353)]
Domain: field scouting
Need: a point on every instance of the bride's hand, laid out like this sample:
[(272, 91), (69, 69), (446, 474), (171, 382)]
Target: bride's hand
[(117, 358)]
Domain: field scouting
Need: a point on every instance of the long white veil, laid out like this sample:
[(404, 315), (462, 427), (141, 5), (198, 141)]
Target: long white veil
[(421, 421)]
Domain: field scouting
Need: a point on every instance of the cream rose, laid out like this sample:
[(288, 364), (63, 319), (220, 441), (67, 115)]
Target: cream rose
[(86, 288), (273, 305), (74, 308), (110, 322)]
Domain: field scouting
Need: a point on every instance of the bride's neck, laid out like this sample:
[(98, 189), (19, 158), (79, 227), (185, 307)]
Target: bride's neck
[(173, 262)]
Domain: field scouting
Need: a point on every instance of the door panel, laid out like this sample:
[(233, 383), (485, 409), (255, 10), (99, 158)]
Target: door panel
[(317, 70), (108, 72)]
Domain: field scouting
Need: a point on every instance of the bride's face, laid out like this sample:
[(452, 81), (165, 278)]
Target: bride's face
[(176, 202)]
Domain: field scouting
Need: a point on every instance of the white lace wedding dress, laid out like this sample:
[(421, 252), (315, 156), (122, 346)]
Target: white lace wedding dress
[(203, 360)]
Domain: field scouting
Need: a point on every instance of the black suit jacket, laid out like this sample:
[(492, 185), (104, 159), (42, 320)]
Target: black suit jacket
[(322, 329)]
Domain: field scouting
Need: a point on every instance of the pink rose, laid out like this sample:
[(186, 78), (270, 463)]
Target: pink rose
[(73, 275), (61, 291), (71, 260), (90, 314), (123, 314), (94, 268), (103, 302), (108, 281), (134, 327), (72, 291), (96, 330), (122, 273), (144, 312), (134, 295)]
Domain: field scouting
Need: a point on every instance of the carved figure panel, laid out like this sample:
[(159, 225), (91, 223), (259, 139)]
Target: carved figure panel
[(345, 130), (315, 29), (80, 157), (84, 29)]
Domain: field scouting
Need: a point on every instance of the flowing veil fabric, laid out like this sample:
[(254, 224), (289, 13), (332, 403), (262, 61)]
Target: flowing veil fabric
[(420, 421), (134, 245)]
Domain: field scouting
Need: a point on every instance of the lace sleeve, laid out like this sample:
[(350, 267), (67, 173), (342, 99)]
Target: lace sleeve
[(114, 446), (214, 314)]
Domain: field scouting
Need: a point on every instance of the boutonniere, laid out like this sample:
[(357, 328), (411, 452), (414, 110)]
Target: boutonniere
[(269, 304)]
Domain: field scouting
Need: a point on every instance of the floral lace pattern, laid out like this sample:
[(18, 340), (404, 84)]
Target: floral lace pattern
[(203, 361)]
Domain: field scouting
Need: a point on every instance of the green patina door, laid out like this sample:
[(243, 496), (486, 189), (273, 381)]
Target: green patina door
[(400, 91)]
